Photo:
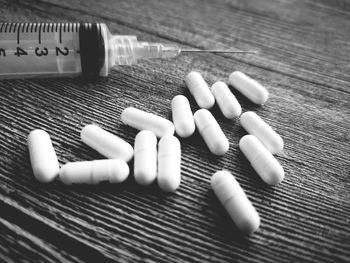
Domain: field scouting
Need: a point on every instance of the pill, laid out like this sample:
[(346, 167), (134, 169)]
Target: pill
[(42, 156), (235, 201), (226, 101), (145, 157), (106, 143), (254, 125), (93, 172), (169, 163), (263, 162), (182, 116), (211, 132), (199, 90), (142, 120), (249, 87)]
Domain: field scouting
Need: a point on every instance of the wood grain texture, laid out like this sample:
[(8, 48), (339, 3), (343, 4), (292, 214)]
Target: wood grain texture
[(19, 244), (304, 62)]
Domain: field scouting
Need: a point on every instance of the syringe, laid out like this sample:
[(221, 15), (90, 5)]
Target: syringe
[(66, 49)]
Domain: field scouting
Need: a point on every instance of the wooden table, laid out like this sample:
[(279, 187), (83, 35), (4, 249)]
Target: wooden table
[(303, 61)]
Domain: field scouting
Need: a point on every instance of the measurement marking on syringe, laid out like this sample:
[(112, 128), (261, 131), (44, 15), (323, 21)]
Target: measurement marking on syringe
[(37, 51), (5, 30), (10, 27), (25, 28), (60, 35), (18, 35), (40, 33)]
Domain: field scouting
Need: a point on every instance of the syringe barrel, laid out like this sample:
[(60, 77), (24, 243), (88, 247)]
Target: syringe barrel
[(49, 49)]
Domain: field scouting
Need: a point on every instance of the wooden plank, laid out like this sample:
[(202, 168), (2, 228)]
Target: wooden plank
[(304, 219), (18, 245)]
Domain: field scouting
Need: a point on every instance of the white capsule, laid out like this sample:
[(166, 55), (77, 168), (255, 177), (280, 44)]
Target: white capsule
[(263, 162), (106, 143), (42, 156), (93, 172), (254, 125), (199, 90), (226, 101), (169, 163), (182, 116), (142, 120), (235, 201), (211, 132), (145, 157), (249, 87)]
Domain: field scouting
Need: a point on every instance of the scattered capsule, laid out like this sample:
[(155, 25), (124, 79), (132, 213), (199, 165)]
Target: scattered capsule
[(226, 101), (169, 163), (42, 156), (93, 172), (145, 157), (211, 132), (254, 125), (263, 162), (249, 87), (199, 90), (182, 116), (235, 201), (142, 120), (106, 143)]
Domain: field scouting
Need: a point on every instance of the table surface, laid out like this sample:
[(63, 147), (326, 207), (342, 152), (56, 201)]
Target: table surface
[(303, 61)]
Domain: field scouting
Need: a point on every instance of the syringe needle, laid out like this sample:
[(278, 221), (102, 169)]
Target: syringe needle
[(220, 51)]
